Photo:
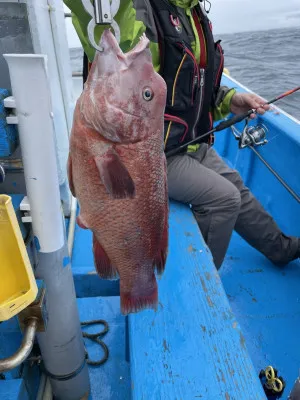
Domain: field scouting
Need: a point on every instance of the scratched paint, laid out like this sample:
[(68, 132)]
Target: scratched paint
[(203, 284), (195, 326), (209, 301), (187, 234), (242, 340), (191, 249), (165, 346)]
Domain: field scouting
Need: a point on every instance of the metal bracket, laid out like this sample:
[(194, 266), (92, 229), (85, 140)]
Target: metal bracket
[(25, 207), (102, 13), (36, 310), (31, 320), (10, 103)]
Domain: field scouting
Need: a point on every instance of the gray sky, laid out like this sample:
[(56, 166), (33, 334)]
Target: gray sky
[(229, 16)]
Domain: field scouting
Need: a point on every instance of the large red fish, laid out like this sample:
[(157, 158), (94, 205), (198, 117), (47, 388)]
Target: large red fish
[(117, 169)]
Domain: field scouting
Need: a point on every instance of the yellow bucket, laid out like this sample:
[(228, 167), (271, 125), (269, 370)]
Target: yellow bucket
[(18, 287)]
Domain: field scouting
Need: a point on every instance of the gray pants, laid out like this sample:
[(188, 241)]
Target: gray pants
[(221, 203)]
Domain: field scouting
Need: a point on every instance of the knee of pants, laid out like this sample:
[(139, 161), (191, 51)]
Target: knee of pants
[(234, 200), (226, 202), (229, 201)]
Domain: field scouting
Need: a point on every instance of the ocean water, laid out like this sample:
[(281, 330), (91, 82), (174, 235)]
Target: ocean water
[(267, 62)]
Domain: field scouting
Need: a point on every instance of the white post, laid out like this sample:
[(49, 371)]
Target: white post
[(62, 347), (49, 38), (35, 123), (60, 40)]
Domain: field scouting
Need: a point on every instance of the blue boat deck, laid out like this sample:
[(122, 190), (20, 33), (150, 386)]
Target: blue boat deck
[(112, 379), (191, 347), (266, 301)]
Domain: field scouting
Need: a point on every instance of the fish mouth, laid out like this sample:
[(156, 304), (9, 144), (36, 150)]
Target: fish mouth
[(109, 43), (140, 47)]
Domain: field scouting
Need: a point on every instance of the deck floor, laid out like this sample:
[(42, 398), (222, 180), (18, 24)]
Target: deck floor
[(266, 302), (267, 308), (112, 379)]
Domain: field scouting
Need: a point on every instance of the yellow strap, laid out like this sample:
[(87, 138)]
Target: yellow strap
[(173, 95), (176, 77), (168, 132)]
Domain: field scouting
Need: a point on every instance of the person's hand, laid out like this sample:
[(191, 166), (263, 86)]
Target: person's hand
[(242, 102)]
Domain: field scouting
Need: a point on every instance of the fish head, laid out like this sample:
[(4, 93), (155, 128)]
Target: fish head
[(124, 98)]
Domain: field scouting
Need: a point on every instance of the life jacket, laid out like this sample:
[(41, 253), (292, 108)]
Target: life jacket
[(191, 87)]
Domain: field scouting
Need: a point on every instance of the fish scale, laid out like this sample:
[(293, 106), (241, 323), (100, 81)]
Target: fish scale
[(117, 170)]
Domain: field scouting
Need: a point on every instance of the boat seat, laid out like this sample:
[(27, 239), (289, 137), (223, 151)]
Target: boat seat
[(192, 346)]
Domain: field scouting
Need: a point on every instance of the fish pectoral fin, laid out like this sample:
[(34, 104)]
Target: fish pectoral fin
[(161, 258), (70, 175), (115, 175), (102, 263), (81, 223)]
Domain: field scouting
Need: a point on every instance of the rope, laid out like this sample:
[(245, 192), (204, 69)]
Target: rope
[(273, 382), (96, 337)]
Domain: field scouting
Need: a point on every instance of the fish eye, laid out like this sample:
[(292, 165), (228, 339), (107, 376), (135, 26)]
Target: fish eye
[(147, 94)]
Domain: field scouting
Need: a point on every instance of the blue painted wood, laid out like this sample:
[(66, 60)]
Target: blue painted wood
[(265, 298), (87, 282), (112, 379), (10, 340), (282, 152), (192, 347), (10, 389), (8, 133)]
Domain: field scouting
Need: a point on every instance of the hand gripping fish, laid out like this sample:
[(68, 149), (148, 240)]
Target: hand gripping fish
[(117, 170)]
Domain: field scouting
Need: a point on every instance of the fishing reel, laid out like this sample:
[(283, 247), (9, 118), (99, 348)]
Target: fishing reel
[(251, 135)]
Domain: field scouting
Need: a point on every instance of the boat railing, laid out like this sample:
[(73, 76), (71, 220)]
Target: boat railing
[(9, 363)]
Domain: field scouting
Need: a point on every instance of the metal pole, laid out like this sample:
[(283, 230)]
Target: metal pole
[(62, 346), (23, 352)]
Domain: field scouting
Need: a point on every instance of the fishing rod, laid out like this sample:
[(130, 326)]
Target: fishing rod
[(228, 123)]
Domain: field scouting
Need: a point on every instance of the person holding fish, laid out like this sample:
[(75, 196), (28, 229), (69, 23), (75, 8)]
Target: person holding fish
[(191, 63)]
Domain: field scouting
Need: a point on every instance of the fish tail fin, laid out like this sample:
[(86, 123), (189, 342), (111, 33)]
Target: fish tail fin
[(144, 295), (161, 258), (102, 263)]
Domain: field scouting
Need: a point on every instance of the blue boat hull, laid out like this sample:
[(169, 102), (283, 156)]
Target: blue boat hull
[(265, 298)]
